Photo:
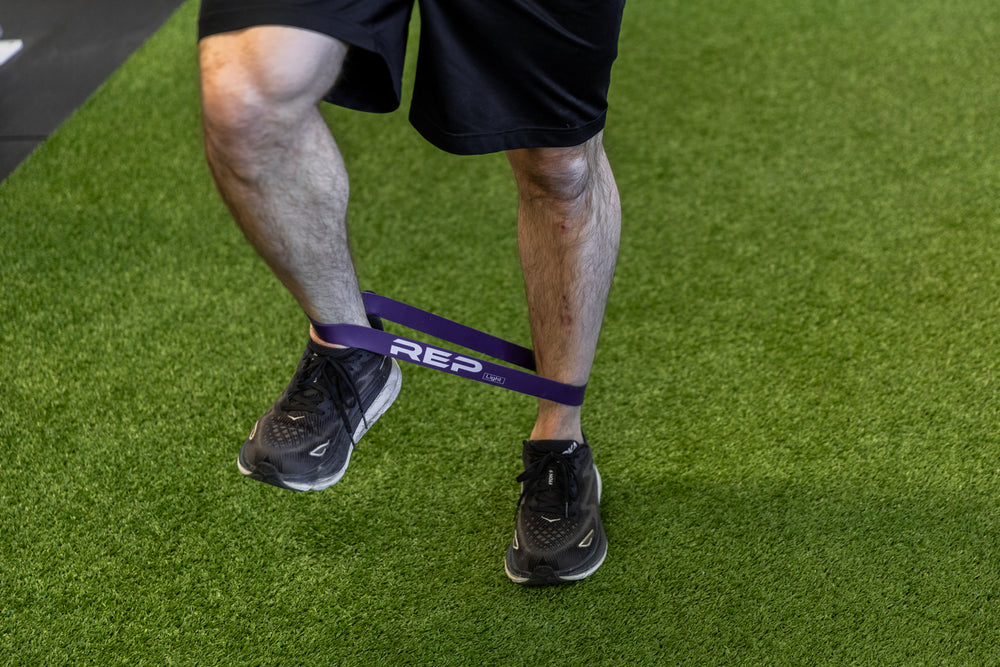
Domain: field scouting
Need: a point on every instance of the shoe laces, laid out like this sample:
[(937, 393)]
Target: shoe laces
[(324, 377), (550, 483)]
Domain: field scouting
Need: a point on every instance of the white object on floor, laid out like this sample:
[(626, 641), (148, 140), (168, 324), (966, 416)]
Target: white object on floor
[(8, 48)]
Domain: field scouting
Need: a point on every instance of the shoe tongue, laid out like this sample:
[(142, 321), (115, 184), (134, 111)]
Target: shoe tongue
[(550, 488)]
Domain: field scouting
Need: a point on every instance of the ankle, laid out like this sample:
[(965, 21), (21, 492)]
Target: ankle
[(558, 422), (576, 436), (314, 336)]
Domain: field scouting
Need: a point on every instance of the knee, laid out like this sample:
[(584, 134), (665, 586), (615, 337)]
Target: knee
[(555, 174), (241, 114), (230, 110), (563, 177), (235, 117)]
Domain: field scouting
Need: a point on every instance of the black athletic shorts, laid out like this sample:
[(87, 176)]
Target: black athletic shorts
[(491, 74)]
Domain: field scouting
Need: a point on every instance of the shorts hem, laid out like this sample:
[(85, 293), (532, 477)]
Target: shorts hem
[(494, 142), (212, 23)]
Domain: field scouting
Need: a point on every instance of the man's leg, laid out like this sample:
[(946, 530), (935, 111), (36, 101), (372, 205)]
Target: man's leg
[(569, 221), (281, 174), (276, 163)]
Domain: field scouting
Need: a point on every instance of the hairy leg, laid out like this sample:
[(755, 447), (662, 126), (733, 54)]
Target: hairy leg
[(276, 163), (569, 222)]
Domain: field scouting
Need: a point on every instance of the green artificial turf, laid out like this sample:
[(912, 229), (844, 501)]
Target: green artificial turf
[(795, 408)]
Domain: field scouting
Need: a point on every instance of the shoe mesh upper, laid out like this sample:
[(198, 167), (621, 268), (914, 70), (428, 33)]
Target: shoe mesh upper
[(543, 534), (281, 431)]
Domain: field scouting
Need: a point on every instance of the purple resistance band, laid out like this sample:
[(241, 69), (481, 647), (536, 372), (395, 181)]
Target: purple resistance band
[(422, 354)]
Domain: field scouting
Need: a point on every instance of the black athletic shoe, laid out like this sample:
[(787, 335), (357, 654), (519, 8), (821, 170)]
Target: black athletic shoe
[(304, 441), (558, 536)]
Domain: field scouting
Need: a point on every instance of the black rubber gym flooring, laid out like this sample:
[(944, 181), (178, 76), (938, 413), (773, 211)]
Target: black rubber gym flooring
[(69, 48)]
